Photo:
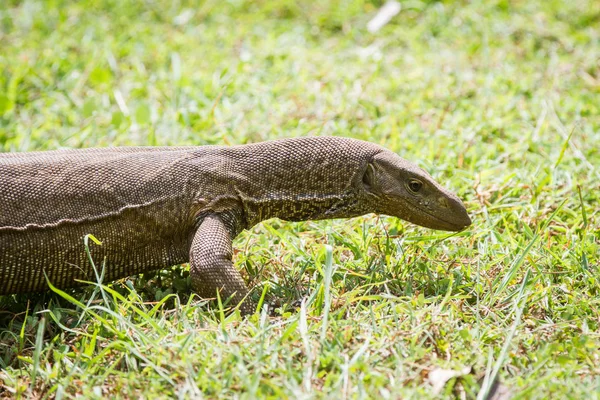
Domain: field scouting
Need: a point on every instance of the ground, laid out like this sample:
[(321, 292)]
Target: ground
[(498, 100)]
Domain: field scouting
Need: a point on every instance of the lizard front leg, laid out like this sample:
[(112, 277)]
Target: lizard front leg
[(211, 268)]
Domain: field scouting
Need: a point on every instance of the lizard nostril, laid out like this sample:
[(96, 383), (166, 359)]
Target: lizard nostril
[(443, 202)]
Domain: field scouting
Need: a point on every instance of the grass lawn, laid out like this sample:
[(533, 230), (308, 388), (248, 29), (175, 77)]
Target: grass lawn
[(499, 100)]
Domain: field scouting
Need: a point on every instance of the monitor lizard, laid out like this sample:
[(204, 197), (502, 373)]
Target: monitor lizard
[(153, 207)]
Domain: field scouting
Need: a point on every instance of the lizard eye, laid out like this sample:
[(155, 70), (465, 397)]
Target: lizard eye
[(414, 185)]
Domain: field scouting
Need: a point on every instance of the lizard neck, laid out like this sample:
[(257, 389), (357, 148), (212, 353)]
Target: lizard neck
[(307, 206), (293, 179), (301, 179)]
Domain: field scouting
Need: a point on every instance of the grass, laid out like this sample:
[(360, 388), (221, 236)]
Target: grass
[(499, 100)]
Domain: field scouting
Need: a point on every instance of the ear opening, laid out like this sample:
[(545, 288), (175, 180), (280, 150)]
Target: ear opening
[(368, 178)]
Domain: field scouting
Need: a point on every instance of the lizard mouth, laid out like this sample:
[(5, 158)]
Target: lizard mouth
[(436, 222)]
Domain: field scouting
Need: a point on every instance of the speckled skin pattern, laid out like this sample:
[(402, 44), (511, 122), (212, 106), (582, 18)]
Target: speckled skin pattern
[(157, 207)]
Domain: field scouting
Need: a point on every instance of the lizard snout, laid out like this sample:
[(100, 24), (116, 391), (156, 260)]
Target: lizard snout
[(443, 202)]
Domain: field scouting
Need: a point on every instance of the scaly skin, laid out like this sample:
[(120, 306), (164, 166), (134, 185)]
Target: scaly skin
[(157, 207)]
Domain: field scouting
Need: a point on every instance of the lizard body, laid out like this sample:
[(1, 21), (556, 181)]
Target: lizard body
[(157, 207)]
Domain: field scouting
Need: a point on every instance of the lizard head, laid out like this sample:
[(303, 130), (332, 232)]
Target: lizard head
[(399, 188)]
